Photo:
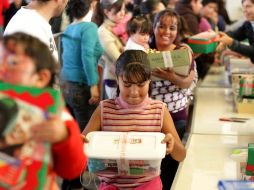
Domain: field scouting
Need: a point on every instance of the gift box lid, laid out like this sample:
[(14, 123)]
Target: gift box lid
[(128, 145), (48, 99)]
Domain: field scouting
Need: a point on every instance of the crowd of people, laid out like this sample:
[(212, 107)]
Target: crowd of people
[(115, 35)]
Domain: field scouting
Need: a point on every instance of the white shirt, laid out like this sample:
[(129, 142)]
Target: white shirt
[(131, 45), (31, 22)]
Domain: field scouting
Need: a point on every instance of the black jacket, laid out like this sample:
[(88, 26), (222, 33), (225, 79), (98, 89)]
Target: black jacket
[(242, 33)]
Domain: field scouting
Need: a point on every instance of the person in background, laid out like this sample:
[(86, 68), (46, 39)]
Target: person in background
[(138, 112), (171, 88), (151, 7), (210, 12), (190, 10), (4, 5), (139, 29), (79, 75), (223, 12), (232, 39), (170, 3), (29, 62), (107, 14), (34, 19), (14, 7)]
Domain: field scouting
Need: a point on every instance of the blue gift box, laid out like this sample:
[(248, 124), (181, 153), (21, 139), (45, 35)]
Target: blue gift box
[(235, 185)]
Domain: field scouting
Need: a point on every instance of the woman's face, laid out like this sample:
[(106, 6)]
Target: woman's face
[(165, 32), (209, 9), (196, 6), (248, 10), (114, 16)]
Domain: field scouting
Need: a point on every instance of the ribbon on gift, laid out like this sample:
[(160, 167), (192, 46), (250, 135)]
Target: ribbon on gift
[(123, 167), (250, 168)]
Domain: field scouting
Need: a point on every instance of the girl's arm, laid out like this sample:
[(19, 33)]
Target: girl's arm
[(174, 144), (94, 123)]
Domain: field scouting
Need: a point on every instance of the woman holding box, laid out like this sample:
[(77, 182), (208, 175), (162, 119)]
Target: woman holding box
[(171, 88)]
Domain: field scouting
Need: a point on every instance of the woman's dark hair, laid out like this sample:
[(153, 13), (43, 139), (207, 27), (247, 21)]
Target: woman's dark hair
[(35, 49), (205, 2), (78, 8), (134, 66), (139, 23), (98, 14), (165, 13)]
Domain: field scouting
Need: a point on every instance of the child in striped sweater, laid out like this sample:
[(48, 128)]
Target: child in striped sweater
[(134, 110)]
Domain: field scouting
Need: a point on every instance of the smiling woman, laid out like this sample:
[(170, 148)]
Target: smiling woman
[(171, 88)]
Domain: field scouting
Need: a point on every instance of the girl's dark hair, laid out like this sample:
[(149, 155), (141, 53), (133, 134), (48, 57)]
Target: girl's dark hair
[(35, 49), (134, 66), (98, 14), (139, 23), (168, 12), (78, 8)]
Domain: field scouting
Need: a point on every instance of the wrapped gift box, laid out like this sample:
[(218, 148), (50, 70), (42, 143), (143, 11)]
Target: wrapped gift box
[(178, 59), (204, 42), (132, 153), (48, 99), (25, 164)]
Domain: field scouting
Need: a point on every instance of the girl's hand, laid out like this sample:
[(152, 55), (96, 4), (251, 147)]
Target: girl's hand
[(95, 95), (84, 139), (170, 141), (53, 130)]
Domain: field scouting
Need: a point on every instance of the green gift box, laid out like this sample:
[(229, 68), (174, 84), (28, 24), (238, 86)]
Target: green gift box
[(250, 160), (178, 59), (204, 42)]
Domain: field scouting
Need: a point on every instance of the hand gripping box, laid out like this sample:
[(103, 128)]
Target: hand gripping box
[(204, 42), (125, 153)]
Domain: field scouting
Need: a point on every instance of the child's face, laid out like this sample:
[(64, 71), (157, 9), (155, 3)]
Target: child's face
[(114, 16), (17, 68), (131, 92), (165, 32), (140, 38)]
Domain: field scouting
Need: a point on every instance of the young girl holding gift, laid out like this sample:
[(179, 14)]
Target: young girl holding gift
[(134, 110), (27, 61)]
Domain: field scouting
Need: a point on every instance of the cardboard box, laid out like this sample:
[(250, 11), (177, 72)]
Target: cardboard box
[(178, 59), (127, 153), (245, 107), (204, 42)]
